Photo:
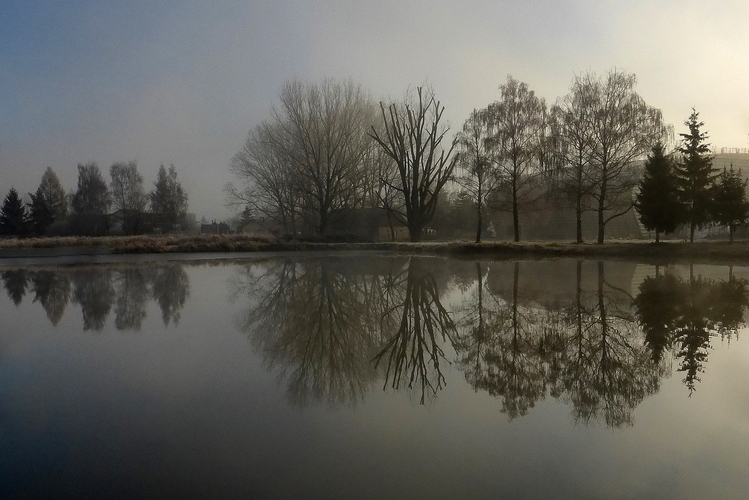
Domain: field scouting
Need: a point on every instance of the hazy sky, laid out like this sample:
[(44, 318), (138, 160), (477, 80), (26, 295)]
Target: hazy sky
[(182, 82)]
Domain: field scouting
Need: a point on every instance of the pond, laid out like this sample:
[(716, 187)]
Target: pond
[(373, 376)]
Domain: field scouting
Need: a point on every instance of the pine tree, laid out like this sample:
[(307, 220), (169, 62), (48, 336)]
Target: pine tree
[(696, 175), (730, 206), (658, 200), (13, 219), (41, 213)]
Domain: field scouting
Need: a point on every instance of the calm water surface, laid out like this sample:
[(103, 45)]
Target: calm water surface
[(314, 376)]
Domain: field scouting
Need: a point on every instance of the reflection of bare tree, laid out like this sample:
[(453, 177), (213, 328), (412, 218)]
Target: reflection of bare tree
[(170, 287), (514, 362), (132, 293), (610, 371), (315, 321), (52, 290), (93, 290), (584, 350), (16, 281), (413, 351)]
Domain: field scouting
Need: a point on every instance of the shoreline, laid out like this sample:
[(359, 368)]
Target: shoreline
[(668, 251)]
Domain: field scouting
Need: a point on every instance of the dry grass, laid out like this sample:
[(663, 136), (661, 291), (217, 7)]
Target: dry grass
[(667, 251)]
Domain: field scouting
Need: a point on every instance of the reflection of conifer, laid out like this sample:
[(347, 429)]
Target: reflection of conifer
[(16, 281), (693, 329), (730, 300), (658, 303), (52, 290)]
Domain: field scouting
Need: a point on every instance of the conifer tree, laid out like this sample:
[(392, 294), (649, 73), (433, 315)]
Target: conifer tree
[(13, 217), (730, 206), (658, 200), (695, 175), (41, 214)]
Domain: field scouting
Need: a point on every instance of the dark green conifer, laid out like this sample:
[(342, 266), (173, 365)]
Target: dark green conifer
[(730, 206), (13, 218), (696, 175), (658, 200)]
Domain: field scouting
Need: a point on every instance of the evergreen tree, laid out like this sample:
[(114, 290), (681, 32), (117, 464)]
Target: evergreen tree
[(730, 206), (658, 200), (13, 217), (695, 175), (41, 213)]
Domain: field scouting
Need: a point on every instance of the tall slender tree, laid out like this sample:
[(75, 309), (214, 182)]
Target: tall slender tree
[(696, 175), (519, 121), (658, 198), (127, 195), (475, 172), (91, 201), (168, 199), (730, 206)]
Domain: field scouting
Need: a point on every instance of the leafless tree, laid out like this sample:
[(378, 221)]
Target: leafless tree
[(128, 195), (623, 129), (315, 143), (475, 171), (571, 119), (518, 121), (412, 135)]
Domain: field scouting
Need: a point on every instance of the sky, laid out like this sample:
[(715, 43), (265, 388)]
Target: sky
[(182, 82)]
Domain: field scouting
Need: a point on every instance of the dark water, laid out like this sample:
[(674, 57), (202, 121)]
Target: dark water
[(374, 377)]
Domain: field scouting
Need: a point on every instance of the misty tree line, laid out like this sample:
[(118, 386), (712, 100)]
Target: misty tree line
[(95, 207), (328, 150)]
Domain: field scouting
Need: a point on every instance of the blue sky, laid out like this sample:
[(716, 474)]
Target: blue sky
[(182, 82)]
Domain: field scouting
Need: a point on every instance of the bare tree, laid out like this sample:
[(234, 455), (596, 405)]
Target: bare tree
[(519, 121), (269, 184), (475, 172), (412, 136), (128, 195), (571, 128), (317, 141), (623, 129)]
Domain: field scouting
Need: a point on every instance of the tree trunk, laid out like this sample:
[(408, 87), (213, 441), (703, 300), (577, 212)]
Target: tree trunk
[(657, 236), (515, 216), (692, 227), (601, 223), (731, 228), (579, 217), (478, 225)]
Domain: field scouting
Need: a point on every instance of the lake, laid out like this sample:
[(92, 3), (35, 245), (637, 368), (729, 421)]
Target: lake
[(307, 375)]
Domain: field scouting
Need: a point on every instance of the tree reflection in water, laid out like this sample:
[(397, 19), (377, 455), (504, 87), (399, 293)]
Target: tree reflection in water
[(412, 353), (317, 322), (683, 315), (99, 288)]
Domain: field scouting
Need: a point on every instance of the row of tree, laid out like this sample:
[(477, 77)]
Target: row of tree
[(683, 188), (329, 149), (96, 208)]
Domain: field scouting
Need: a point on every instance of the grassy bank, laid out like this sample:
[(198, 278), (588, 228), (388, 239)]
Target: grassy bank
[(667, 252)]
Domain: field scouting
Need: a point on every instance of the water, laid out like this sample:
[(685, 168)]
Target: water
[(371, 376)]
